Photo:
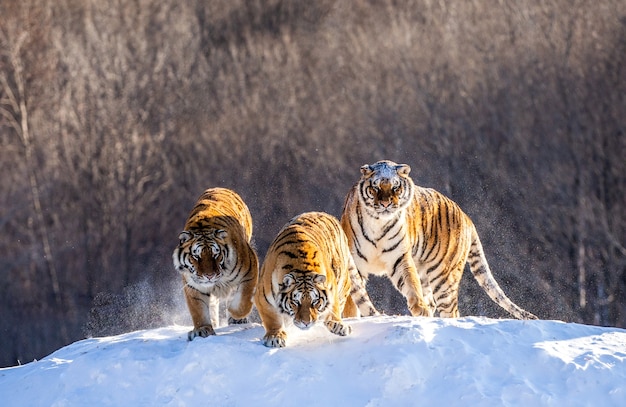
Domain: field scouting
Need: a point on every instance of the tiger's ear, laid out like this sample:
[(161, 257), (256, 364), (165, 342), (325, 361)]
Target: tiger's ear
[(319, 279), (403, 170), (366, 170), (184, 236), (288, 281)]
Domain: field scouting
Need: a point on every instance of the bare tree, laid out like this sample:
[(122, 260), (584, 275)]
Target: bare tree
[(14, 111)]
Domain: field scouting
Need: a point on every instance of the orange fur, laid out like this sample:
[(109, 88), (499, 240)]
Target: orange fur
[(418, 238), (307, 266), (216, 260)]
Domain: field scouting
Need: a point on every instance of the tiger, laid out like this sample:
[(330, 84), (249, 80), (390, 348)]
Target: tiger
[(417, 237), (306, 276), (215, 258)]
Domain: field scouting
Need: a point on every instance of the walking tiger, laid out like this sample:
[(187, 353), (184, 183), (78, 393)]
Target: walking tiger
[(216, 260), (308, 274), (418, 238)]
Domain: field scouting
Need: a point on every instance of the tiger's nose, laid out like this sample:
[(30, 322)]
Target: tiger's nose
[(304, 324)]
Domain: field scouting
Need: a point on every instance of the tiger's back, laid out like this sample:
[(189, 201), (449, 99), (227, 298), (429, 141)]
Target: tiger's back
[(220, 207), (418, 238), (306, 275), (216, 260)]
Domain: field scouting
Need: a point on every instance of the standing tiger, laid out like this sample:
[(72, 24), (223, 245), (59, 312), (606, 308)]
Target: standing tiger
[(216, 260), (308, 275), (417, 237)]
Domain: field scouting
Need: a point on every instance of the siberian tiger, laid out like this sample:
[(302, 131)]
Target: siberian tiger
[(417, 237), (216, 260), (307, 275)]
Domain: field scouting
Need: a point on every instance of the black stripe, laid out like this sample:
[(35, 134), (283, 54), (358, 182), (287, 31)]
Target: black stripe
[(395, 265), (393, 247), (442, 280), (426, 255), (357, 244), (397, 233), (361, 255), (424, 226), (474, 262), (400, 283), (361, 226), (288, 254), (388, 227), (284, 234)]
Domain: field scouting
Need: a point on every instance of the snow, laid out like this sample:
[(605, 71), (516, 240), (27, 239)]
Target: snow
[(387, 361)]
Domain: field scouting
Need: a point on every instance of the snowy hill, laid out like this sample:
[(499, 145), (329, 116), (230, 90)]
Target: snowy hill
[(387, 361)]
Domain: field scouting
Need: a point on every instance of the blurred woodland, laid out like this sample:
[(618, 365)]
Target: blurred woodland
[(116, 114)]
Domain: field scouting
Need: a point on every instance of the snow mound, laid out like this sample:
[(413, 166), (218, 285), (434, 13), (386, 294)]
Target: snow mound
[(387, 361)]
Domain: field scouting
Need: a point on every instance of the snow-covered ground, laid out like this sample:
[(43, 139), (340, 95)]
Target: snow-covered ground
[(387, 361)]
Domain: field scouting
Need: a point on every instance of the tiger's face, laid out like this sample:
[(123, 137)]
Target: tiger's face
[(202, 256), (385, 188), (303, 296)]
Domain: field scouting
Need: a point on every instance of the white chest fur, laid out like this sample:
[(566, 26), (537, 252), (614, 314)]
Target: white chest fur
[(381, 242)]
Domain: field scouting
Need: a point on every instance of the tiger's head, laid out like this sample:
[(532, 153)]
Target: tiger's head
[(385, 188), (303, 296), (202, 255)]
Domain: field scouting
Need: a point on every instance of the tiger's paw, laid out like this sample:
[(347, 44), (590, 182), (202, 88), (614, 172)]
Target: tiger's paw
[(277, 340), (371, 312), (338, 328), (419, 309), (203, 332), (421, 312), (233, 321)]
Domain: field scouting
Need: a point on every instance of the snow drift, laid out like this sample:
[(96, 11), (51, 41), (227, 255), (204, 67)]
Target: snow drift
[(387, 361)]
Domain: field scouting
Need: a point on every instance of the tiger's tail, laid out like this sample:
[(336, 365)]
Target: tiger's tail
[(482, 274)]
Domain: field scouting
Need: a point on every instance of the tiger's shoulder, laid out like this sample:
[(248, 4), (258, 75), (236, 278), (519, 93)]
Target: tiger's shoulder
[(305, 244)]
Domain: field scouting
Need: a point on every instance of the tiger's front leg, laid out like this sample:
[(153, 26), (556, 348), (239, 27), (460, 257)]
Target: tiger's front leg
[(200, 305), (334, 323), (338, 327), (405, 278), (275, 336)]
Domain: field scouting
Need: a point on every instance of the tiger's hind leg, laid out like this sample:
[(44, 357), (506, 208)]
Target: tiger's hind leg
[(233, 321), (350, 310), (446, 294), (358, 295), (405, 278), (241, 303)]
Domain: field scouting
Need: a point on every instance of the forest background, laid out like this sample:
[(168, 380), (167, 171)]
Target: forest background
[(116, 114)]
